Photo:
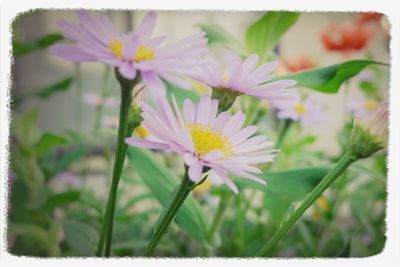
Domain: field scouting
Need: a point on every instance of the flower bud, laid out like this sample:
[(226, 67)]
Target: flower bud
[(134, 113), (369, 133), (226, 98)]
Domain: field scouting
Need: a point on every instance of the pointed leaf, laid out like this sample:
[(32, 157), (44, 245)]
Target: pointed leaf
[(284, 188), (47, 91), (263, 35), (216, 35), (161, 183), (329, 79)]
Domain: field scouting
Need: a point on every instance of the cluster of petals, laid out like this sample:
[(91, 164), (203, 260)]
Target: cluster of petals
[(307, 111), (359, 105), (94, 38), (208, 141), (245, 78)]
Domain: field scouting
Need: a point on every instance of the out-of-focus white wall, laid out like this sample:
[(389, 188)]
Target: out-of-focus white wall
[(40, 69)]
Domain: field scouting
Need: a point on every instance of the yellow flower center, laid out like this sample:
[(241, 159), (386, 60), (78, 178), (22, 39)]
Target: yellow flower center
[(142, 131), (143, 53), (206, 139), (371, 105), (299, 108), (116, 48), (225, 77)]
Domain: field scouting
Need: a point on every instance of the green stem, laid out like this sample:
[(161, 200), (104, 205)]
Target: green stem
[(78, 95), (219, 214), (123, 132), (169, 213), (344, 162), (284, 129), (252, 111), (282, 133), (99, 109)]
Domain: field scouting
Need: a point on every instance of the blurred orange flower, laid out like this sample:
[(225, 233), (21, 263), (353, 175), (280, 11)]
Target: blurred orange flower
[(299, 63), (345, 38), (365, 17)]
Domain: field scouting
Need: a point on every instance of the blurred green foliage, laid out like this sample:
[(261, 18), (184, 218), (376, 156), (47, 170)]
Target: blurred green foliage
[(44, 220)]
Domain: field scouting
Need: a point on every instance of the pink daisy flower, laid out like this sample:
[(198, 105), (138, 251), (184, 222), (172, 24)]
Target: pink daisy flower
[(307, 111), (96, 39), (359, 105), (245, 78), (206, 140)]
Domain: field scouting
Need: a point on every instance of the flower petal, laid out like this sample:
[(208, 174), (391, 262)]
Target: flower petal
[(195, 171), (145, 143), (145, 28), (154, 83)]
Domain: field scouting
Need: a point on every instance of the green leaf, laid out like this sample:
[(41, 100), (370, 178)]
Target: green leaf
[(329, 79), (369, 88), (49, 141), (345, 253), (216, 35), (263, 35), (56, 161), (284, 188), (36, 233), (47, 91), (25, 129), (20, 48), (161, 183), (62, 199), (181, 94), (25, 166), (81, 238)]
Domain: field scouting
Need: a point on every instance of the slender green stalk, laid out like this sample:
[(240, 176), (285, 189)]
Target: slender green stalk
[(99, 108), (284, 129), (78, 95), (123, 132), (169, 213), (344, 162), (252, 111), (219, 214)]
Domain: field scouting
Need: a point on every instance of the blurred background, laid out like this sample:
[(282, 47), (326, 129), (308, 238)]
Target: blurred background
[(74, 110), (303, 40)]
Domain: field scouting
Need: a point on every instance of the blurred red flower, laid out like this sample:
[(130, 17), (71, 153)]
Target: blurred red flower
[(299, 63), (365, 17), (346, 37)]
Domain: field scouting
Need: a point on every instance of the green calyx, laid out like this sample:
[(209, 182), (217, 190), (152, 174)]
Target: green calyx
[(362, 143), (134, 116), (226, 97)]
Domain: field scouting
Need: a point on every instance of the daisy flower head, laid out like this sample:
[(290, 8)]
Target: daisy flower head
[(359, 105), (307, 111), (243, 77), (96, 39), (207, 141)]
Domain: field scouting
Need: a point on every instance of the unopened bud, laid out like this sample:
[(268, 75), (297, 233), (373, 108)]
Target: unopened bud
[(369, 133)]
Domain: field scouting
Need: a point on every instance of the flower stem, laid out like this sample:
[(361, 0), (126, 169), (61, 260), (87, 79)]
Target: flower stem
[(123, 132), (99, 109), (284, 129), (252, 111), (344, 162), (169, 212), (78, 95), (219, 214)]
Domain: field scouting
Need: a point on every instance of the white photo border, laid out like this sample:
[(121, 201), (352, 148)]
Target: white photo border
[(390, 256)]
